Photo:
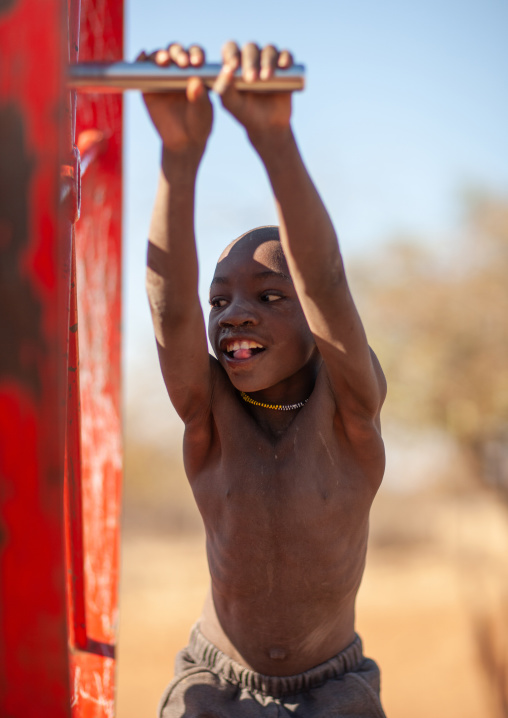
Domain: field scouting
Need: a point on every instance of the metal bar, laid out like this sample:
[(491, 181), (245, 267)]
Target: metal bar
[(148, 77)]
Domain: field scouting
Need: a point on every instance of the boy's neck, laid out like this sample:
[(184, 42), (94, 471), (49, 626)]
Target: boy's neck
[(275, 422), (272, 423)]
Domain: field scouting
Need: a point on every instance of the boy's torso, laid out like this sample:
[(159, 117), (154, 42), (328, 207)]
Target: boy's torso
[(286, 519)]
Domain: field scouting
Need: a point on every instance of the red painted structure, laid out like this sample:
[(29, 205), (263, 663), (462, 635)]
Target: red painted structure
[(60, 429)]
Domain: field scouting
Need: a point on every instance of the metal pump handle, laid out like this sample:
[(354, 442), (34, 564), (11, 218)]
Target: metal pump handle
[(148, 77)]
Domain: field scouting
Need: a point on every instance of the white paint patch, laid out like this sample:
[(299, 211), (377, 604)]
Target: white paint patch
[(99, 699)]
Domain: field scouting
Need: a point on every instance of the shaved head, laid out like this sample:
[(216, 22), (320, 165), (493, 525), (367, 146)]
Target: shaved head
[(253, 238), (262, 244)]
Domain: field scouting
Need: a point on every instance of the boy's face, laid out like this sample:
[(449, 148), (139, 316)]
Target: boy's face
[(257, 327)]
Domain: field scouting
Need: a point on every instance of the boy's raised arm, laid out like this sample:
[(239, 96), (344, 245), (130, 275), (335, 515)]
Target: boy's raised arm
[(183, 121), (308, 237)]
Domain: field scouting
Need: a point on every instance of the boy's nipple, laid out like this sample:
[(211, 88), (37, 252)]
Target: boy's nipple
[(277, 654)]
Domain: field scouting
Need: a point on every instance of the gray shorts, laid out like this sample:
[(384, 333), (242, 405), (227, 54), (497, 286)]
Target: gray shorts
[(208, 684)]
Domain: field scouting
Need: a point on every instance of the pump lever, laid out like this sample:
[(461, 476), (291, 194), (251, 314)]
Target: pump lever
[(148, 77)]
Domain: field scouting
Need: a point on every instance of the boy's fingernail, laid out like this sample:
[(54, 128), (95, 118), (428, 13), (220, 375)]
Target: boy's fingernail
[(250, 75), (264, 74)]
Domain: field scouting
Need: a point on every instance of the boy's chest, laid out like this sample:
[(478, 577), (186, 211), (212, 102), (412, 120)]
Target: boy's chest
[(303, 471), (300, 494), (290, 459)]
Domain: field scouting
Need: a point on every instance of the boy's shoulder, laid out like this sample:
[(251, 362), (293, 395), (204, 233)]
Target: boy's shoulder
[(231, 422)]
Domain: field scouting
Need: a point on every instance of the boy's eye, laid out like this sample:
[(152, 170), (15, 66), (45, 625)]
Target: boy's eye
[(268, 297), (218, 302)]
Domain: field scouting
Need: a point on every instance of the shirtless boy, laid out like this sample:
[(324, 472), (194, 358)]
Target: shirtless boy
[(282, 442)]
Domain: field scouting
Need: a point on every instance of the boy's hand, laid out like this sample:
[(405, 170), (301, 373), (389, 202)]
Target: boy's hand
[(182, 119), (258, 112)]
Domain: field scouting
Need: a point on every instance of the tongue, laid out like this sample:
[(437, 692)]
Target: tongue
[(242, 354)]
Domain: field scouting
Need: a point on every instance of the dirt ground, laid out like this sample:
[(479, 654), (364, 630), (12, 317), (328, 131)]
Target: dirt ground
[(431, 609)]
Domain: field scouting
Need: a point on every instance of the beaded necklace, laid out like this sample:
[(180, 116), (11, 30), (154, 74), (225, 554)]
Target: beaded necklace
[(277, 407)]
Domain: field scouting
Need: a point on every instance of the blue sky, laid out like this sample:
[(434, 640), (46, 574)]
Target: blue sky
[(406, 105)]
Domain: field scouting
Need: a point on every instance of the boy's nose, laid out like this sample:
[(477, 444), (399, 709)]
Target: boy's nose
[(238, 315)]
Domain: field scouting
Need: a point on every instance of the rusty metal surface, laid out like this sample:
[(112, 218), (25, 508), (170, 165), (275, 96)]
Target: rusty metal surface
[(59, 397), (97, 329), (34, 672)]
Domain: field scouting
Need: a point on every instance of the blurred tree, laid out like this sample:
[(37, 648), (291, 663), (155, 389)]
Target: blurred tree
[(438, 319)]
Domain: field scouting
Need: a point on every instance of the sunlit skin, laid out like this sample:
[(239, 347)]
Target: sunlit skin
[(284, 495)]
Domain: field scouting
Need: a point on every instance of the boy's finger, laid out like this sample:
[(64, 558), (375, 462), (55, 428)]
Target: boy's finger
[(231, 54), (232, 100), (196, 56), (160, 57), (250, 62), (268, 61), (195, 89), (178, 54), (142, 56), (285, 59), (224, 79)]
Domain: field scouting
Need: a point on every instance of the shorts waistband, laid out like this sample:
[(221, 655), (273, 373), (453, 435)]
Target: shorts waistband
[(209, 656)]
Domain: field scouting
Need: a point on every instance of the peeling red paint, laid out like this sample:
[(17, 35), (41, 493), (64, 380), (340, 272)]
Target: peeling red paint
[(33, 632), (62, 318), (98, 281)]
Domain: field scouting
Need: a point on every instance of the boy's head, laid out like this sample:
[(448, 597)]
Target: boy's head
[(257, 327), (267, 238)]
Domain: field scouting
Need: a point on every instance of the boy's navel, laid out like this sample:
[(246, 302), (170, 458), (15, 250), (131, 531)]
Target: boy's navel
[(277, 654)]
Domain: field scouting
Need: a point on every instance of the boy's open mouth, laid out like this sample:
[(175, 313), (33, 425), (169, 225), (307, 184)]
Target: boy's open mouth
[(243, 349)]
